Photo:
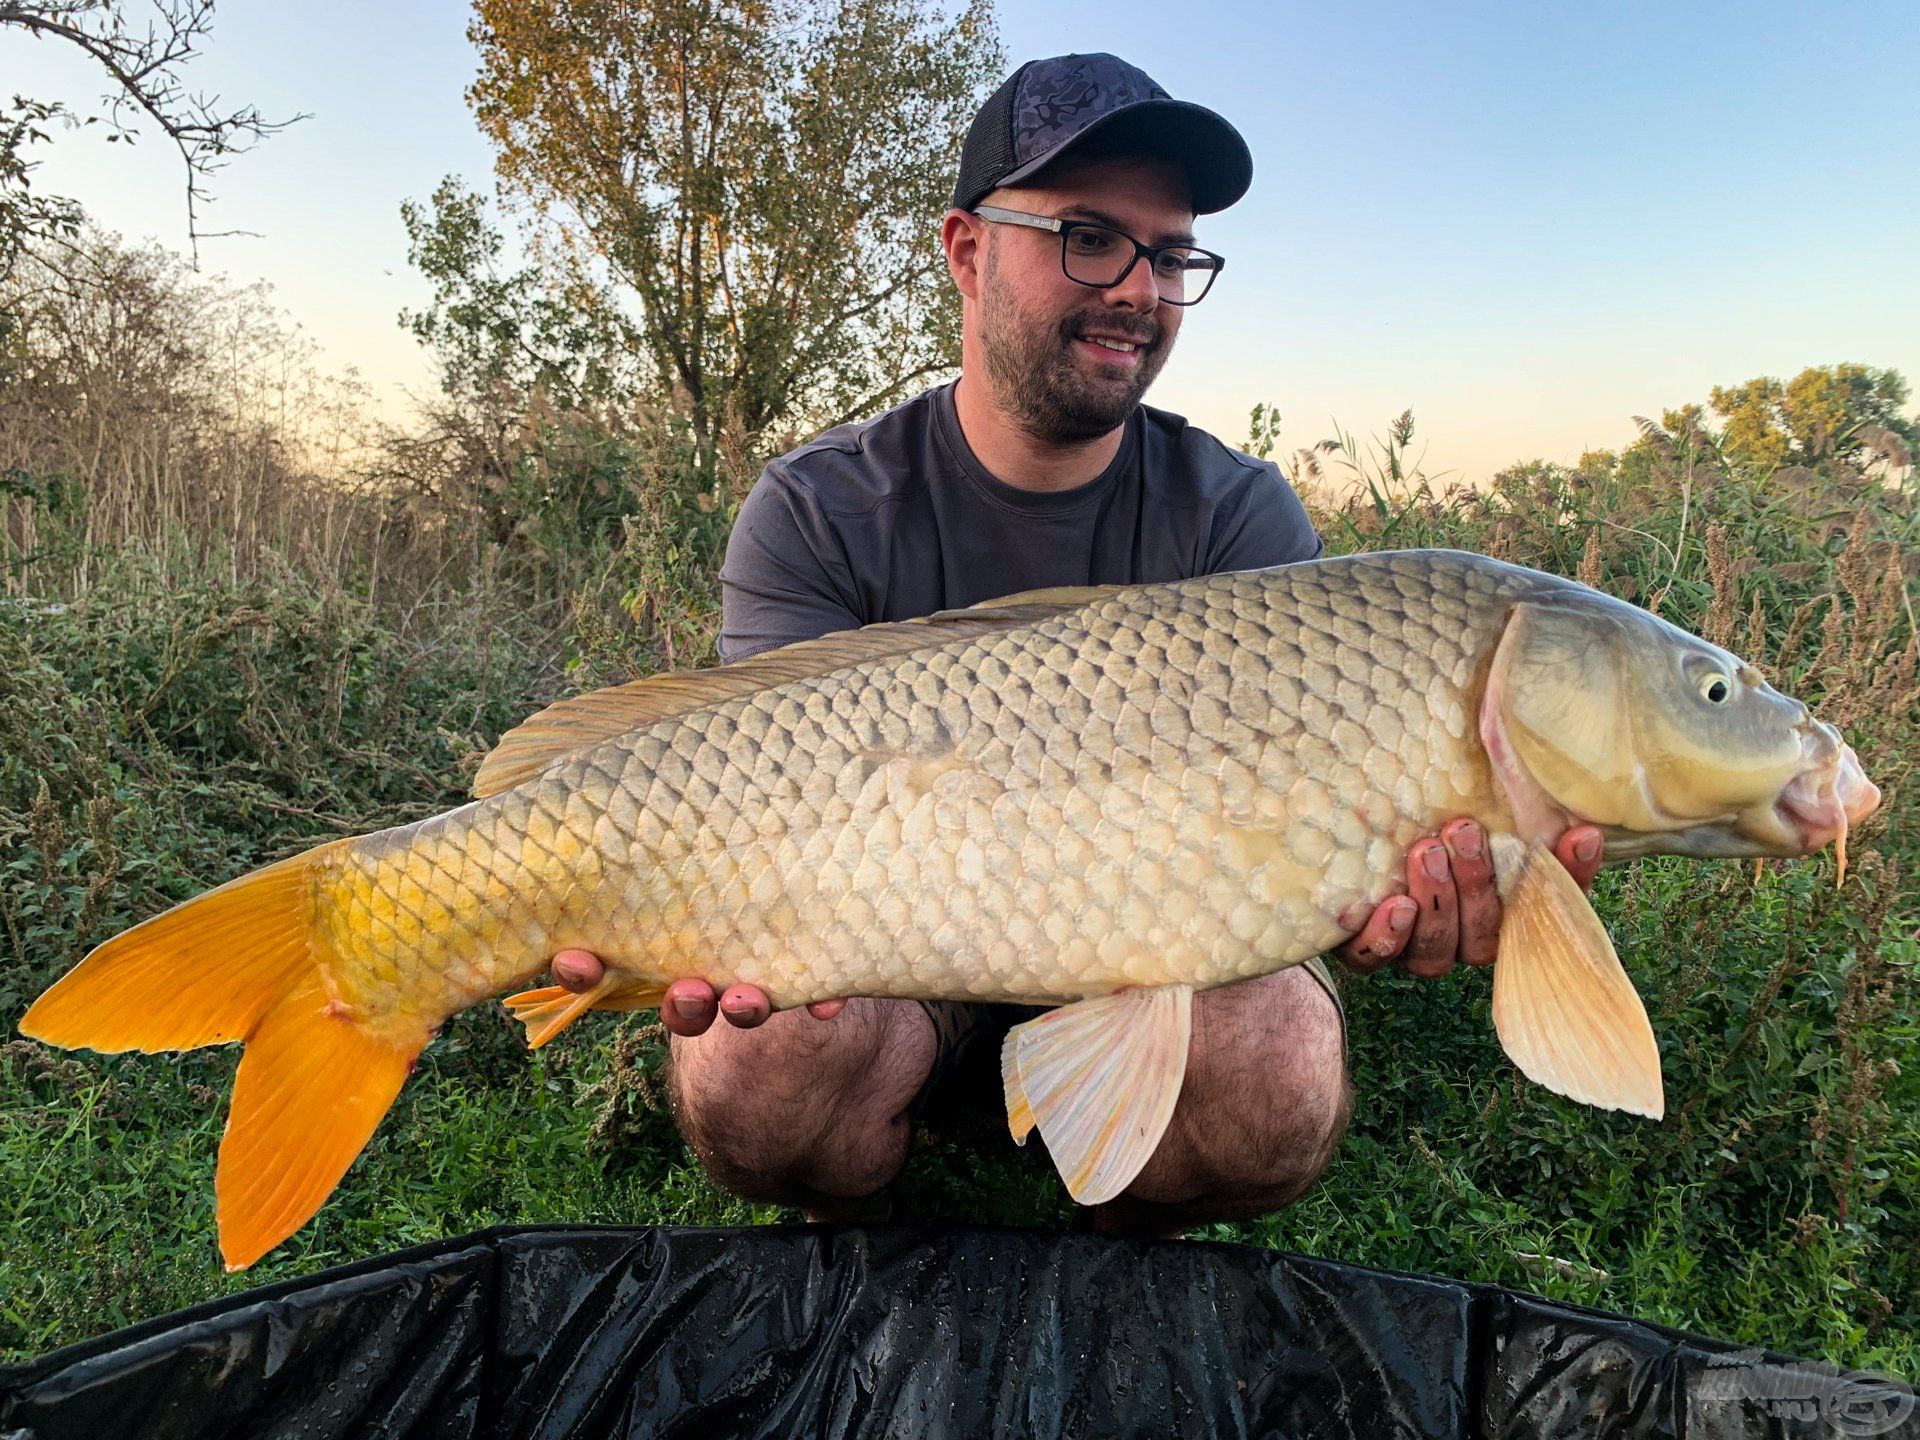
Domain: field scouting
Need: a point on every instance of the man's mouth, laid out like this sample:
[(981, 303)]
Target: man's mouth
[(1108, 348)]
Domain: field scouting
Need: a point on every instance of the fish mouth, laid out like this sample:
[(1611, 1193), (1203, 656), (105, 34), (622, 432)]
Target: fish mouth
[(1822, 803)]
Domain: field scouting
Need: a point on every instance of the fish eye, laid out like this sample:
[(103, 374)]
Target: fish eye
[(1715, 689)]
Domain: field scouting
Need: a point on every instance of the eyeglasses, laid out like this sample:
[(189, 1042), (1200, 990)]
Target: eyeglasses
[(1100, 256)]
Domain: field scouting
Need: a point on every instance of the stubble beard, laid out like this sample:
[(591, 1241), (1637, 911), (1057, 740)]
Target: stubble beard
[(1043, 385)]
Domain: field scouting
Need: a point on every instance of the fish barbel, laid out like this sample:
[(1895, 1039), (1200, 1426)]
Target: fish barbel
[(1100, 798)]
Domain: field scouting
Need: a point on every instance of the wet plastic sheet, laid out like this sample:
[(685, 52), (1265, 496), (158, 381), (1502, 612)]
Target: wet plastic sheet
[(908, 1331)]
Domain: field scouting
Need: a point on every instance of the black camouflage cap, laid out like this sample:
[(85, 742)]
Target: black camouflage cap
[(1097, 104)]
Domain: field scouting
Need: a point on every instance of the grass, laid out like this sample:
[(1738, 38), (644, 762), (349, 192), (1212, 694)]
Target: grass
[(181, 718)]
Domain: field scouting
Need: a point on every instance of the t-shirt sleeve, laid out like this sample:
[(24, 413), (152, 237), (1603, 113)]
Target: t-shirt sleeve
[(786, 576), (1266, 526)]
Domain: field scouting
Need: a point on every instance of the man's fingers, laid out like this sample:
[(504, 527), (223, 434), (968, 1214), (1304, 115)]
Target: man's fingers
[(1436, 933), (745, 1006), (1478, 897), (577, 970), (689, 1007), (1579, 850), (1382, 937)]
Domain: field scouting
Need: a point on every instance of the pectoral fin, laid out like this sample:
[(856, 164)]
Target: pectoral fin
[(1100, 1078), (1565, 1010)]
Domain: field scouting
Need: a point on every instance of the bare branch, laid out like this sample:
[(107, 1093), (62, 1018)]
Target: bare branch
[(145, 68)]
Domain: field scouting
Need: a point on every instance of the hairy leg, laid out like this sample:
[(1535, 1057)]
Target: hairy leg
[(1266, 1099), (803, 1111)]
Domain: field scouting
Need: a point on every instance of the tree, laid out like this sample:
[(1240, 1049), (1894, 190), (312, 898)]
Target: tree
[(144, 67), (1825, 415), (511, 331), (757, 180)]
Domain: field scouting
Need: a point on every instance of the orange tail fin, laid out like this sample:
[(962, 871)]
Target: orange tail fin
[(243, 963)]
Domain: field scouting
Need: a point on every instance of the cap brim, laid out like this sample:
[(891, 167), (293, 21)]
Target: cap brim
[(1217, 163)]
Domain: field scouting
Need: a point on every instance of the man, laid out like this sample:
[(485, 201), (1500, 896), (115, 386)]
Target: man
[(1070, 243)]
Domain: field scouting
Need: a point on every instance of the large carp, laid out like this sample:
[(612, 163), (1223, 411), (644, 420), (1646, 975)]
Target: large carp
[(1100, 798)]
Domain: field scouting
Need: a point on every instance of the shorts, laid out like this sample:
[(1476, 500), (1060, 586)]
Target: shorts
[(967, 1036)]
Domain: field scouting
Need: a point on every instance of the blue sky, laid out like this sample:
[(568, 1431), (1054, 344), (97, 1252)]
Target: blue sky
[(1526, 222)]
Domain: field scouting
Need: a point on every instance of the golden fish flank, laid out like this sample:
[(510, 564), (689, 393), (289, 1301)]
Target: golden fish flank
[(1109, 796), (868, 830)]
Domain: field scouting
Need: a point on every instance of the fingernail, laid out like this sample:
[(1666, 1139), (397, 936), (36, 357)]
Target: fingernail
[(688, 1008), (1588, 850), (1436, 862), (735, 1004), (1400, 919), (1466, 842)]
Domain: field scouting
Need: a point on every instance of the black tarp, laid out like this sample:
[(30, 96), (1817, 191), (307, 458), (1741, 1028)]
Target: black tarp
[(821, 1331)]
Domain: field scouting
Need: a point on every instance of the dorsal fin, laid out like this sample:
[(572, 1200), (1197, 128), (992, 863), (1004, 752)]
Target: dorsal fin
[(1053, 597), (583, 721)]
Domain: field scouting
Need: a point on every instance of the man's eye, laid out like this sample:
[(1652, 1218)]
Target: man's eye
[(1176, 263), (1090, 242)]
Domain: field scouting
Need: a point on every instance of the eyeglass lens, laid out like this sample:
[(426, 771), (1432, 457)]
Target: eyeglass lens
[(1095, 255)]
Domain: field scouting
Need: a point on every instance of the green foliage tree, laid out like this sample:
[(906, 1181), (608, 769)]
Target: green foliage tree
[(756, 181), (1826, 414), (27, 214), (143, 64), (496, 329), (1831, 422)]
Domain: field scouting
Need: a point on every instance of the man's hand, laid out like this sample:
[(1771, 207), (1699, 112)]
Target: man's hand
[(1451, 911), (691, 1005)]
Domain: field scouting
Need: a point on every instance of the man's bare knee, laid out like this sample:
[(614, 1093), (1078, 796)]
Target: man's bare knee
[(1265, 1102), (802, 1108)]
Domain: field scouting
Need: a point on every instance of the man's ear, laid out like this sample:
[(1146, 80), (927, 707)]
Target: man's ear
[(963, 237)]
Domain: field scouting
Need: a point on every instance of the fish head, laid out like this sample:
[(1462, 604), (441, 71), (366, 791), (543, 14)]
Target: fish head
[(1598, 712)]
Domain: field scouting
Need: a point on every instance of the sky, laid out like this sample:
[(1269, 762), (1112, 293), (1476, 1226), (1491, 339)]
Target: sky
[(1526, 222)]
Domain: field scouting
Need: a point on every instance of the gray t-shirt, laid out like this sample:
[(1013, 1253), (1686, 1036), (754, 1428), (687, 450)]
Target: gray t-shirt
[(894, 518)]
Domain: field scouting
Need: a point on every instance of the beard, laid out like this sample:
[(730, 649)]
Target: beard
[(1050, 391)]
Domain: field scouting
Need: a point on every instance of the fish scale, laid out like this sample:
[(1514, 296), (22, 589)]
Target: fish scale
[(1188, 782)]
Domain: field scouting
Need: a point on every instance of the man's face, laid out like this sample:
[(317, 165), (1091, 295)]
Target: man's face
[(1041, 332)]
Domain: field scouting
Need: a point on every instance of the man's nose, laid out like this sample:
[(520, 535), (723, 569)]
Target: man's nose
[(1138, 290)]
